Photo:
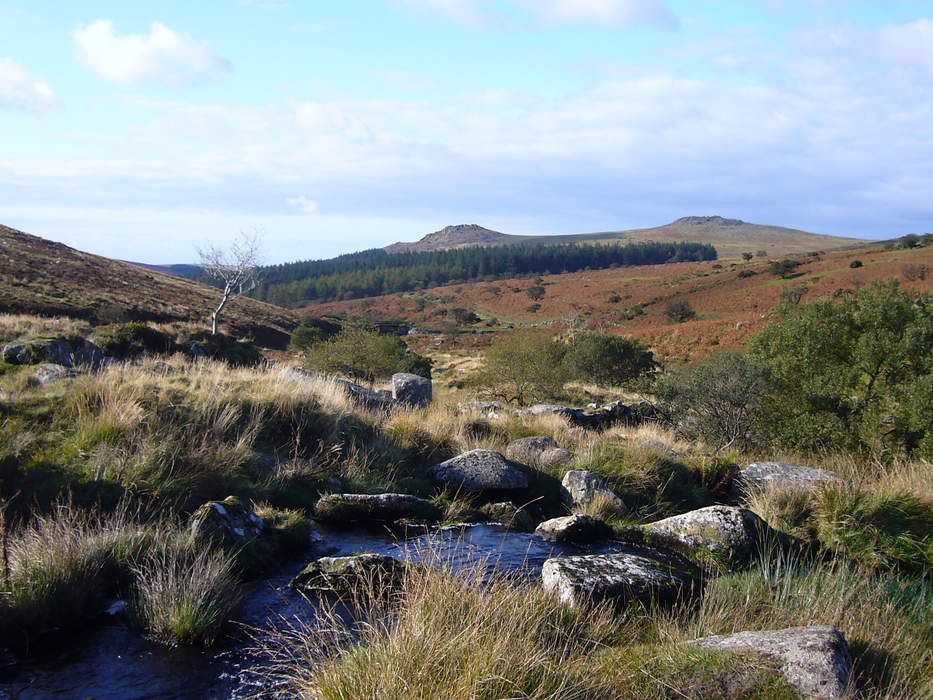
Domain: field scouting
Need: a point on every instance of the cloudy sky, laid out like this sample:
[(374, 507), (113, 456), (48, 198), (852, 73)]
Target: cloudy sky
[(141, 129)]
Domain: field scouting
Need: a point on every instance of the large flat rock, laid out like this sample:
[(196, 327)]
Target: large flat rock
[(761, 476), (620, 578), (731, 532)]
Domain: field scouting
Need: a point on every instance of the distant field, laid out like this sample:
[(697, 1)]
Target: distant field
[(730, 308)]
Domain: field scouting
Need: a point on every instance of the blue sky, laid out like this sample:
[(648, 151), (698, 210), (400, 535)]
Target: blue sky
[(141, 130)]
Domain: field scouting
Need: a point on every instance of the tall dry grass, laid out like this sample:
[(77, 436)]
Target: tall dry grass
[(14, 326)]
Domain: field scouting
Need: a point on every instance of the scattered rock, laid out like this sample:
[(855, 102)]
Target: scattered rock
[(509, 515), (660, 447), (367, 398), (555, 457), (411, 390), (49, 373), (346, 508), (574, 529), (194, 349), (728, 531), (230, 521), (480, 471), (484, 407), (766, 475), (351, 573), (814, 660), (528, 450), (582, 487), (620, 578), (37, 350)]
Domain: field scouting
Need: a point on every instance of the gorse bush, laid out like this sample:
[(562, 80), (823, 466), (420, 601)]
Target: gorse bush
[(680, 311)]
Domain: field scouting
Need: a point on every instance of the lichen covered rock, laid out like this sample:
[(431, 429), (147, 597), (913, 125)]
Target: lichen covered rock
[(49, 374), (582, 487), (725, 531), (345, 508), (620, 578), (480, 471), (509, 515), (574, 529), (814, 660), (555, 457), (229, 522), (38, 350)]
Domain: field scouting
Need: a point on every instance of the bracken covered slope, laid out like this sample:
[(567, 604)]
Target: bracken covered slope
[(38, 276)]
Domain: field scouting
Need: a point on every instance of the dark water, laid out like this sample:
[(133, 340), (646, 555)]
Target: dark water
[(112, 661)]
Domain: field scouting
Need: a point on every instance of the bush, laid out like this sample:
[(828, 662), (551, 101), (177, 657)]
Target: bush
[(747, 273), (608, 360), (366, 355), (856, 264), (226, 348), (129, 340), (306, 337), (680, 311), (465, 317), (535, 292), (784, 268), (846, 371), (717, 400), (613, 298), (747, 256), (524, 366)]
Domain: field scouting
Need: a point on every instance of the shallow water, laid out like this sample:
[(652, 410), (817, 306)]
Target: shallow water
[(109, 660)]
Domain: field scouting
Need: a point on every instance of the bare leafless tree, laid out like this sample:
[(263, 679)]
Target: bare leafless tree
[(236, 268)]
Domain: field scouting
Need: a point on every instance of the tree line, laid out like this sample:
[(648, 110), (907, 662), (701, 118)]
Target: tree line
[(375, 272)]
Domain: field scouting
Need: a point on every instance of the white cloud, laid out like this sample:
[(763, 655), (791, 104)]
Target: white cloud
[(909, 44), (22, 91), (161, 57), (618, 13), (303, 204)]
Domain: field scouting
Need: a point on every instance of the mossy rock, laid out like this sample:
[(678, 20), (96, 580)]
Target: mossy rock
[(344, 509), (350, 575)]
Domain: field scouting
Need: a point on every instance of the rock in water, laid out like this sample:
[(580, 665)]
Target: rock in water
[(230, 522), (620, 578), (528, 450), (723, 530), (574, 529), (510, 515), (351, 573), (582, 487), (411, 390), (766, 475), (814, 660), (346, 508), (480, 471)]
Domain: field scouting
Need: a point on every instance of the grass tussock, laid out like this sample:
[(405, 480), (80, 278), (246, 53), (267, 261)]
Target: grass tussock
[(14, 326), (184, 598)]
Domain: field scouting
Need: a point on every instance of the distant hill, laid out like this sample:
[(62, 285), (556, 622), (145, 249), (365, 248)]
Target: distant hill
[(38, 276), (731, 237), (188, 271)]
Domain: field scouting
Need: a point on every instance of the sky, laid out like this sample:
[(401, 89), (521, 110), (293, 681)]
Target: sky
[(142, 130)]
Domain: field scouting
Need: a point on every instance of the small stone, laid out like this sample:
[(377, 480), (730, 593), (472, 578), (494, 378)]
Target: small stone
[(49, 374), (555, 457), (659, 447), (509, 515), (229, 521), (761, 476)]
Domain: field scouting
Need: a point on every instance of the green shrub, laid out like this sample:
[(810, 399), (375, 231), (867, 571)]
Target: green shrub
[(524, 366), (848, 371), (306, 337), (784, 268), (717, 400), (220, 346), (608, 360), (366, 355)]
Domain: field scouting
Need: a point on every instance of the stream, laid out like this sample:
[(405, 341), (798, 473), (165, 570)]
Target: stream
[(111, 660)]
